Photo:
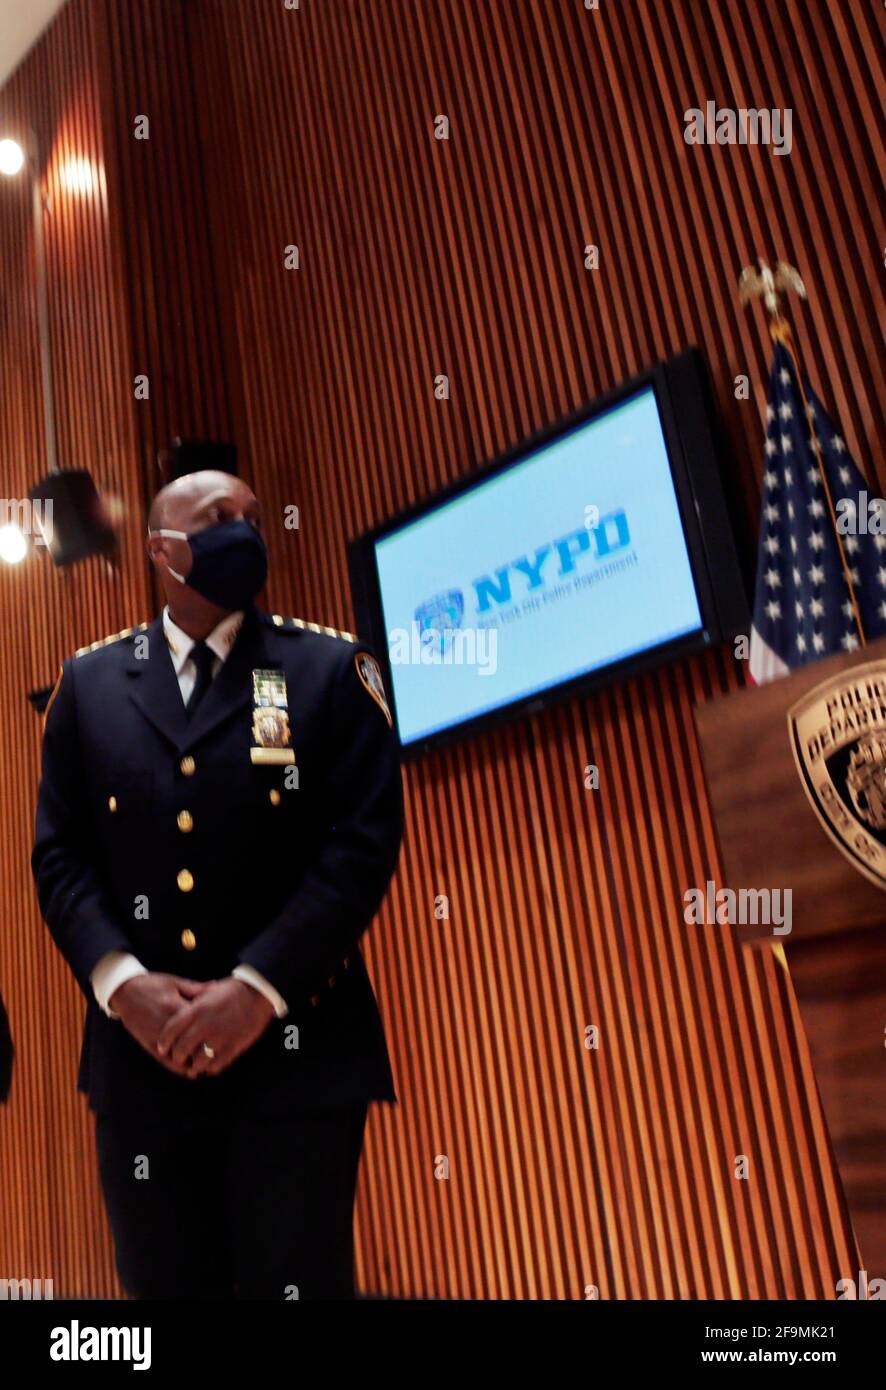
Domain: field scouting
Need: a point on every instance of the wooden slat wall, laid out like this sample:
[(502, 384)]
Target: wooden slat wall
[(51, 1222), (568, 1167)]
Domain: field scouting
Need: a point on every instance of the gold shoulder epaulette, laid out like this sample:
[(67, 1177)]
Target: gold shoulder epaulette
[(114, 637), (311, 627)]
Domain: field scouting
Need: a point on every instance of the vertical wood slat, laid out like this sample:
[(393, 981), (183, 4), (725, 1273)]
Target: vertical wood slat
[(569, 1167)]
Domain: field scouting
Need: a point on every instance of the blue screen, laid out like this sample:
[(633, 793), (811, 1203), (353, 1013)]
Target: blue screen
[(563, 563)]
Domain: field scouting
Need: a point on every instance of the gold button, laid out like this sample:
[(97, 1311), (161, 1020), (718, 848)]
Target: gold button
[(112, 804), (275, 796), (189, 940), (188, 766), (185, 880), (185, 821)]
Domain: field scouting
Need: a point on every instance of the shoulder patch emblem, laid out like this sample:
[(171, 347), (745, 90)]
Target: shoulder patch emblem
[(370, 674)]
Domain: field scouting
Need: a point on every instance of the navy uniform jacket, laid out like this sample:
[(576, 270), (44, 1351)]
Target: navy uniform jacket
[(159, 835)]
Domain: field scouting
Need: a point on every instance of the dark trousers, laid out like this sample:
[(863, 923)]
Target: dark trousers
[(235, 1208)]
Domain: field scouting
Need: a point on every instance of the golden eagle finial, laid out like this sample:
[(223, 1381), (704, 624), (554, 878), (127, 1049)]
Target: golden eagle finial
[(767, 283)]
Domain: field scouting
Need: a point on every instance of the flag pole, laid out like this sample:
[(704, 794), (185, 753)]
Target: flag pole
[(752, 284)]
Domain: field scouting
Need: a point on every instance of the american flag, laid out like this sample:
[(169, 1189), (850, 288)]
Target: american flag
[(803, 606)]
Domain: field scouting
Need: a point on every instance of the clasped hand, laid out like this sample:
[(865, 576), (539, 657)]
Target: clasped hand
[(172, 1018)]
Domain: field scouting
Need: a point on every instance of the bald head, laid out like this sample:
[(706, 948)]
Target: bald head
[(202, 499)]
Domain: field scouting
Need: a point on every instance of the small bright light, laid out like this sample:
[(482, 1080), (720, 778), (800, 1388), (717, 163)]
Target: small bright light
[(12, 157), (13, 546)]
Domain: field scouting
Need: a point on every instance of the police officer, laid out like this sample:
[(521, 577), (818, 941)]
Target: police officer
[(219, 817)]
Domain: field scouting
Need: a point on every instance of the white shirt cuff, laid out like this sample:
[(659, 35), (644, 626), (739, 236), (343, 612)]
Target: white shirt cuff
[(112, 971), (251, 976)]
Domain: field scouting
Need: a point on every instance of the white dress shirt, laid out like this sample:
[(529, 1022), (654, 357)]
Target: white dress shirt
[(116, 967)]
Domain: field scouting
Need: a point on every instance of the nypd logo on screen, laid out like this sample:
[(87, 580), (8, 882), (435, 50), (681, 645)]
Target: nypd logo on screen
[(439, 634)]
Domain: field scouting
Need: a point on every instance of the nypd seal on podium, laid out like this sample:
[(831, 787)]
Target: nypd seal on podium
[(838, 738)]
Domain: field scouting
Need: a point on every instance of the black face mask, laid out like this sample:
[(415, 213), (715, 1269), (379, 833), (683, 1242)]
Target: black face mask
[(230, 562)]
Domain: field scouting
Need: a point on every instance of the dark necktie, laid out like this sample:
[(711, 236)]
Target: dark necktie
[(203, 658)]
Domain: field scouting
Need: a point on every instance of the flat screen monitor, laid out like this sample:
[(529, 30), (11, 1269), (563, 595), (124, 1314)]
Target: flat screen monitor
[(576, 557)]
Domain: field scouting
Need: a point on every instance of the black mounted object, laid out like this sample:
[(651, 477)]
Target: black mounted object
[(7, 1054), (194, 455), (39, 699), (71, 516)]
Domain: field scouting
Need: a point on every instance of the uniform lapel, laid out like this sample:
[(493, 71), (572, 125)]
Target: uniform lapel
[(153, 684)]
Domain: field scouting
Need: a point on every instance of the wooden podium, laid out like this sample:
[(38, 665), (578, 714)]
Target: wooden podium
[(796, 771)]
